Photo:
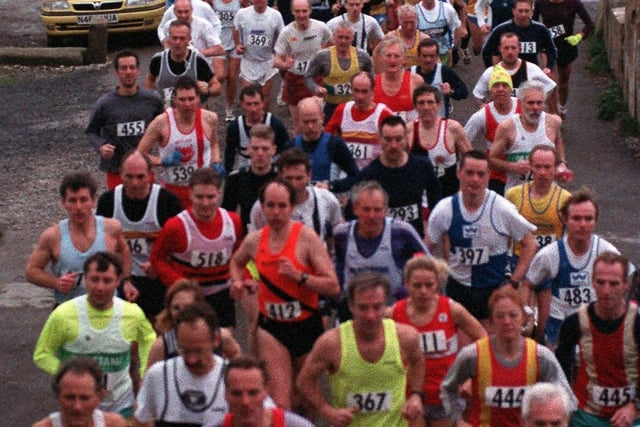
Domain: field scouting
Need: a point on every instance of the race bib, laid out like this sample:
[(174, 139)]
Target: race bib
[(226, 17), (210, 259), (300, 67), (528, 48), (472, 256), (180, 174), (557, 31), (260, 40), (405, 213), (289, 310), (575, 297), (504, 397), (138, 246), (342, 89), (433, 342), (544, 239), (370, 402), (360, 151), (613, 396), (130, 128)]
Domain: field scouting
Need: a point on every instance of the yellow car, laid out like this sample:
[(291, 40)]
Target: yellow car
[(73, 17)]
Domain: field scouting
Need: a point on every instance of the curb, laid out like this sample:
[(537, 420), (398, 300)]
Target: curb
[(31, 56)]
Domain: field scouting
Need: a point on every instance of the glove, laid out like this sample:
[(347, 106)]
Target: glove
[(574, 39), (172, 159), (219, 168)]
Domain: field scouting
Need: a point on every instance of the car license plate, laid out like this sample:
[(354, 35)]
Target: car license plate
[(92, 19)]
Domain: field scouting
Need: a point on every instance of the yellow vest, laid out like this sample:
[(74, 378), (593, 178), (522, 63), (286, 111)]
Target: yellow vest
[(543, 213), (338, 82)]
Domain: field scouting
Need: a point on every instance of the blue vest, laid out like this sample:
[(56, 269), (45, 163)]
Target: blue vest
[(320, 160)]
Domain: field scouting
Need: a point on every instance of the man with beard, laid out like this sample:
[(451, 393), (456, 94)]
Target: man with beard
[(517, 136), (120, 117), (187, 389)]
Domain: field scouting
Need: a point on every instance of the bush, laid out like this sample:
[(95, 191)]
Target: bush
[(611, 103), (599, 63)]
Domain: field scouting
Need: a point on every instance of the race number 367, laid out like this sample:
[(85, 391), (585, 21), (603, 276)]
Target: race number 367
[(370, 401)]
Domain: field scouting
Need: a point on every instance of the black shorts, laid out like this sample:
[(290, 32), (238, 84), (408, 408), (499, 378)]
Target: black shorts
[(297, 337), (224, 306), (151, 299), (566, 53), (475, 300)]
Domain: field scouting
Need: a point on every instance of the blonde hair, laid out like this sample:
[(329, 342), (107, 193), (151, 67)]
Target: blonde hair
[(424, 262)]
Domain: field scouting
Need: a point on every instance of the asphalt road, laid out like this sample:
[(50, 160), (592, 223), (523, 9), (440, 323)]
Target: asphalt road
[(595, 152)]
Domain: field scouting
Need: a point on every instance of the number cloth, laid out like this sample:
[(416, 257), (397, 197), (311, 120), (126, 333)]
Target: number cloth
[(607, 376), (72, 260), (359, 129), (189, 248), (121, 121), (544, 213), (498, 385), (569, 277), (195, 148), (479, 240), (377, 388), (226, 12), (439, 343), (281, 298), (534, 39)]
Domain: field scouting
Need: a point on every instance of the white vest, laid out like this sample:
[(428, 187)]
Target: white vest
[(139, 246)]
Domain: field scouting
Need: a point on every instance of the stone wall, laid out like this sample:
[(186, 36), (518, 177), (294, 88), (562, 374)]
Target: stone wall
[(619, 21)]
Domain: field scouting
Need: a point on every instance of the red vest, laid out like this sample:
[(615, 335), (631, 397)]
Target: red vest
[(439, 343), (498, 390), (609, 365)]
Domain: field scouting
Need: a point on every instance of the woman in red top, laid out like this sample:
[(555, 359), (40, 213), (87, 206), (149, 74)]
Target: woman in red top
[(294, 268), (438, 319)]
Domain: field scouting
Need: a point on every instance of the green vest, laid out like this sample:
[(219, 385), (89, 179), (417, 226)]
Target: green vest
[(377, 388)]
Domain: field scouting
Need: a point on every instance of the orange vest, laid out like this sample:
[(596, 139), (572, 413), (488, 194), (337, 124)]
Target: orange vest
[(279, 297)]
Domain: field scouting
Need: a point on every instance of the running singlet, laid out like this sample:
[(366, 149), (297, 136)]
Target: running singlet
[(499, 389), (381, 260), (543, 213), (362, 136), (607, 376), (97, 417), (439, 344), (194, 146), (206, 260), (138, 234), (338, 81), (522, 146), (72, 260), (400, 103), (280, 298), (377, 388), (109, 349)]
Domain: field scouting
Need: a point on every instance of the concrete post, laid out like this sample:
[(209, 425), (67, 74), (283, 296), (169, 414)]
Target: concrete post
[(97, 43)]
